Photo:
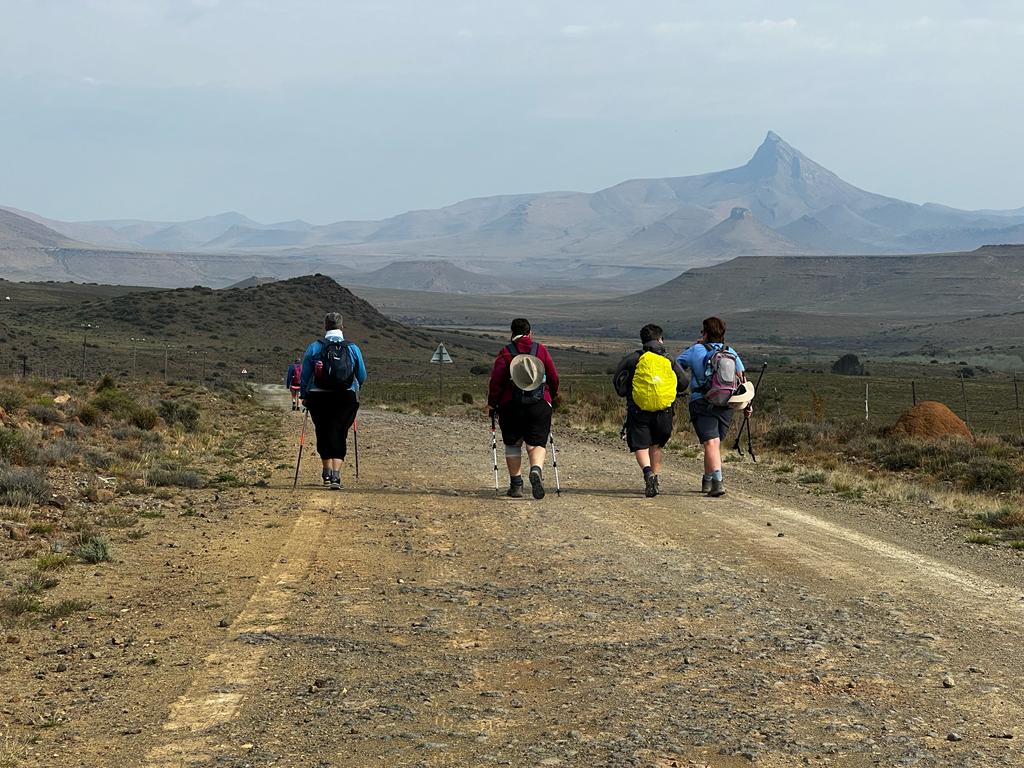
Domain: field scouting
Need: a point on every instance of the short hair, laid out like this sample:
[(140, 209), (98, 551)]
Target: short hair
[(714, 327), (651, 332), (332, 321), (520, 327)]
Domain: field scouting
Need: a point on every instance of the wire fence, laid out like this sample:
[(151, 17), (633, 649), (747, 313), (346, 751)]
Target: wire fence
[(168, 363)]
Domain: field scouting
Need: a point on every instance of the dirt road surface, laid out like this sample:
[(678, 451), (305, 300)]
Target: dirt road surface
[(414, 619)]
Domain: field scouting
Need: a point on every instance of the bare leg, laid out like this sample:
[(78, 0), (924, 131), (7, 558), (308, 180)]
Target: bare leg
[(536, 454), (712, 456), (515, 465), (657, 455), (643, 457)]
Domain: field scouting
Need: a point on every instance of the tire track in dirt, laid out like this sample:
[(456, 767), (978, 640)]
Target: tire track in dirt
[(217, 691)]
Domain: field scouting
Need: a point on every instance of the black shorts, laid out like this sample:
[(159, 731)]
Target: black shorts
[(529, 423), (333, 414), (647, 428), (710, 421)]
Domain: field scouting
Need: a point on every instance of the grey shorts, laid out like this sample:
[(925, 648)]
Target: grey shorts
[(710, 421)]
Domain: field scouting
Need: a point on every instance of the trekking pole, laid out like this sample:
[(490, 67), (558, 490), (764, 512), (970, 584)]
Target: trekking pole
[(302, 442), (746, 419), (554, 463), (355, 440), (494, 453)]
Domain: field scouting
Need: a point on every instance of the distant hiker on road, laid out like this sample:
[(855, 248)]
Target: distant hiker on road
[(524, 384), (716, 374), (650, 381), (333, 371), (293, 381)]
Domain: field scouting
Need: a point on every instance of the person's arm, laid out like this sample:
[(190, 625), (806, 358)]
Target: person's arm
[(307, 370), (357, 356), (549, 370), (499, 373), (682, 378), (623, 378)]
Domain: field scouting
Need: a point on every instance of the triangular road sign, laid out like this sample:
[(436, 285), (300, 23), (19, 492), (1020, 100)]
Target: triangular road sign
[(441, 355)]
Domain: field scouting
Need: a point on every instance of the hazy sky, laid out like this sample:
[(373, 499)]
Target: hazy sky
[(340, 109)]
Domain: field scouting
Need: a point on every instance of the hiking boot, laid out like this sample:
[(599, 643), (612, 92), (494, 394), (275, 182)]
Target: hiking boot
[(536, 485), (705, 485), (326, 475), (651, 486), (336, 481), (657, 483), (515, 490), (717, 488)]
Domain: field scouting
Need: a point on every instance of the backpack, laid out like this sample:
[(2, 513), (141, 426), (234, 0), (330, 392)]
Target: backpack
[(523, 396), (720, 376), (296, 375), (335, 369), (654, 382)]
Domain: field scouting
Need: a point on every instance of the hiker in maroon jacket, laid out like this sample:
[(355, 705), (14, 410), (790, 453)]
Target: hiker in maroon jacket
[(524, 385)]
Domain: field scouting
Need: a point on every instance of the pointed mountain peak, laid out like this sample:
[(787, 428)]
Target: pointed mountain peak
[(776, 157)]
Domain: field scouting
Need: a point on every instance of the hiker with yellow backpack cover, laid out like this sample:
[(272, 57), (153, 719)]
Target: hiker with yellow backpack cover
[(651, 381)]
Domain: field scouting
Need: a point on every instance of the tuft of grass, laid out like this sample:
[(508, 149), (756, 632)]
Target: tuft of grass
[(981, 538), (165, 476), (814, 477), (52, 561), (186, 415), (66, 608), (16, 606), (41, 529), (93, 549), (36, 583), (137, 533), (1017, 544)]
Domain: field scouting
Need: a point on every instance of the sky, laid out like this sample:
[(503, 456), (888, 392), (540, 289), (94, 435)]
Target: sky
[(328, 110)]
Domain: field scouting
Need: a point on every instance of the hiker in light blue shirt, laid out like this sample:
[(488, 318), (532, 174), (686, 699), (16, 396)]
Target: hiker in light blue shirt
[(711, 422)]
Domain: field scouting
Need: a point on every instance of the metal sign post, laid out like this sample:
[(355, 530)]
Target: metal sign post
[(441, 357)]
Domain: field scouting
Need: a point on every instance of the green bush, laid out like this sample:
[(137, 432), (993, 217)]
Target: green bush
[(87, 414), (145, 418), (186, 415), (984, 473), (15, 447), (165, 476), (45, 414), (11, 399), (116, 402), (93, 549), (793, 433), (20, 487), (467, 398)]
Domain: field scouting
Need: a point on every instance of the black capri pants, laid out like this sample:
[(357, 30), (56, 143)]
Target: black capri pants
[(333, 414)]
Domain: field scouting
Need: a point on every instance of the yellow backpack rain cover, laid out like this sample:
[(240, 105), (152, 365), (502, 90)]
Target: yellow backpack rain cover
[(654, 382)]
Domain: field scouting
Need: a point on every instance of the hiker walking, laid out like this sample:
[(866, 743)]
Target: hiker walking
[(716, 374), (524, 384), (293, 381), (333, 371), (651, 381)]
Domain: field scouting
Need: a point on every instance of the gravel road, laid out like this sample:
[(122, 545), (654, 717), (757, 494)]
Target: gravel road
[(414, 619)]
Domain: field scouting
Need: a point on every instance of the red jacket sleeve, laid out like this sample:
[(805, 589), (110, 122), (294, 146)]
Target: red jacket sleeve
[(499, 376), (549, 369)]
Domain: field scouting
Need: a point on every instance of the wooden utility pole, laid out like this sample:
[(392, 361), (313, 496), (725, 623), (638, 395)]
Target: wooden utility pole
[(1016, 399), (963, 392)]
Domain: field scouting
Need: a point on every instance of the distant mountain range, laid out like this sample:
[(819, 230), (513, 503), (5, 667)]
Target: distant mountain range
[(778, 203)]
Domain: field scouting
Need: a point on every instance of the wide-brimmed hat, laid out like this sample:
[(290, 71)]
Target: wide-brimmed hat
[(527, 372), (743, 395)]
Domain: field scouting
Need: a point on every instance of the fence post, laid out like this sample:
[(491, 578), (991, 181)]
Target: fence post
[(866, 385), (913, 391), (166, 352), (1016, 399), (963, 392)]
